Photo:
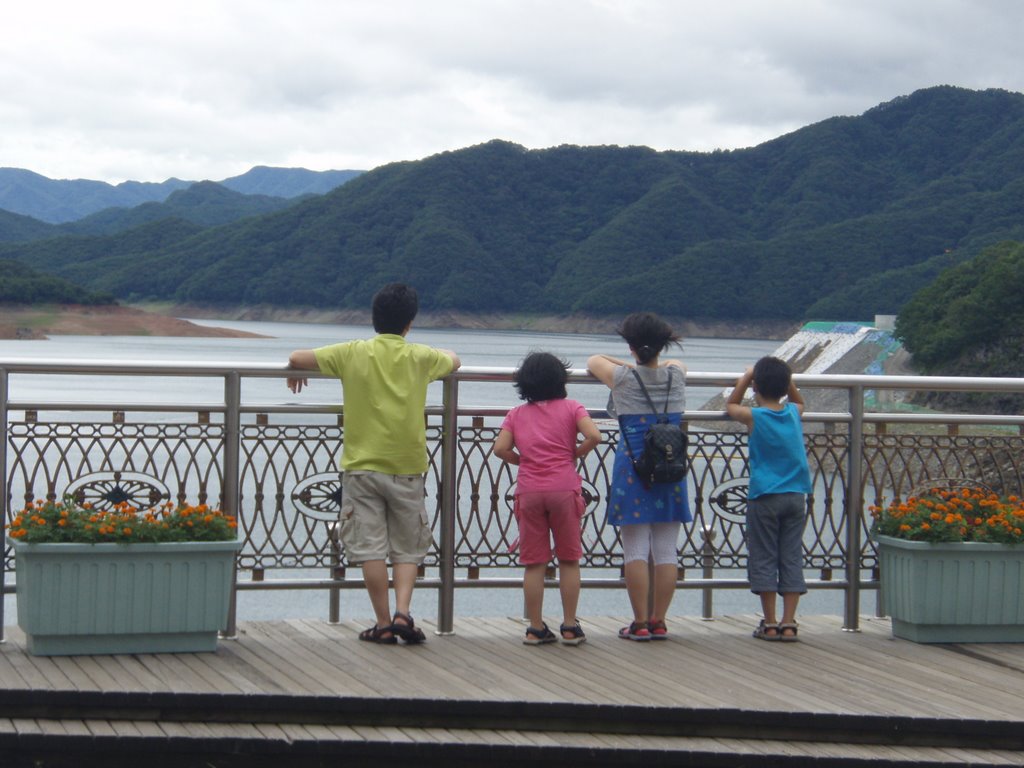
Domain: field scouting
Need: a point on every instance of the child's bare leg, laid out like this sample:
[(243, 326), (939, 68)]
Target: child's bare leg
[(533, 594), (638, 587), (768, 607), (569, 588), (789, 603)]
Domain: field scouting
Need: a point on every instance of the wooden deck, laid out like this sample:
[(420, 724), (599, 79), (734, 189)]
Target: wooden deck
[(302, 692)]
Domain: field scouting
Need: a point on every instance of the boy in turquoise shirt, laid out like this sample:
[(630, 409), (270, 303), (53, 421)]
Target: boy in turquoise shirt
[(384, 458), (777, 493)]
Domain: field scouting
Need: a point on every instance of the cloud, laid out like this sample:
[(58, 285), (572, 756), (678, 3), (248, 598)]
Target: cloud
[(117, 90)]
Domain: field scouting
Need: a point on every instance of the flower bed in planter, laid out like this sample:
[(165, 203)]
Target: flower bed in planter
[(953, 592), (952, 565), (123, 598), (122, 580)]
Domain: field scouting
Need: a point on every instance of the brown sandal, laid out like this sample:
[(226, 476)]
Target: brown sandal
[(379, 635), (408, 631)]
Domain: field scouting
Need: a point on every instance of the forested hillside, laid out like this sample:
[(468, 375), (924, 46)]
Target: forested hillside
[(20, 284), (970, 322), (205, 203), (842, 219)]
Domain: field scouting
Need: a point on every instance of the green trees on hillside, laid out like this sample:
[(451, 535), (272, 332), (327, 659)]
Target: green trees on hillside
[(968, 311), (20, 284), (840, 220)]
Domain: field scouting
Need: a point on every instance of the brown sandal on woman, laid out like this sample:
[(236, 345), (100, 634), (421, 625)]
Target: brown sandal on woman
[(408, 631), (380, 635)]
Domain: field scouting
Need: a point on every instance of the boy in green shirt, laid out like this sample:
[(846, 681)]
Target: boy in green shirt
[(384, 458)]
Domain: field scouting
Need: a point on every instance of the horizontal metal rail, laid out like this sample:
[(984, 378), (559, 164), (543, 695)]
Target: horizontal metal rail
[(273, 465)]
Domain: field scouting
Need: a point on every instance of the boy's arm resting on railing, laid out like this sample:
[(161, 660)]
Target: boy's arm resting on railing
[(301, 359), (734, 404), (795, 397), (456, 362)]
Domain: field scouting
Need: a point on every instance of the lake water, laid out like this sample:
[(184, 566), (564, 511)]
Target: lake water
[(475, 347)]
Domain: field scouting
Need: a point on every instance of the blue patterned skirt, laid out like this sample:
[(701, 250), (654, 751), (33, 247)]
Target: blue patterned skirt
[(629, 502)]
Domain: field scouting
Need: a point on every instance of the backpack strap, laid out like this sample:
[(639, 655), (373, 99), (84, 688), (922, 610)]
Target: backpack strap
[(647, 395), (650, 402)]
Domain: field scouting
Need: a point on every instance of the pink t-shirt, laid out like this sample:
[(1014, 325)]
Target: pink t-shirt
[(544, 434)]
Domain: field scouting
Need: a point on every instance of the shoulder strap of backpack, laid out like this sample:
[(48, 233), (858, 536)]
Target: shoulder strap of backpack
[(668, 393)]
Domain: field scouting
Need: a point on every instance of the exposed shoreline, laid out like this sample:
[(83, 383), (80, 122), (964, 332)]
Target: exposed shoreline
[(43, 321), (38, 322), (574, 323)]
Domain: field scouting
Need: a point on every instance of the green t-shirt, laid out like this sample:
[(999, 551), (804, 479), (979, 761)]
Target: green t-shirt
[(384, 381)]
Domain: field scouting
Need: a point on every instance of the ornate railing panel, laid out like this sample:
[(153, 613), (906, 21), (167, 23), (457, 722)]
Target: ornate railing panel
[(289, 487)]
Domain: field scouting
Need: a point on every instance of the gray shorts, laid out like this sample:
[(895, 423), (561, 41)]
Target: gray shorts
[(775, 543), (384, 517)]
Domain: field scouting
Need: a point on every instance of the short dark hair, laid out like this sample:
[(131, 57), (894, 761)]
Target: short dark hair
[(394, 308), (772, 377), (647, 335), (541, 376)]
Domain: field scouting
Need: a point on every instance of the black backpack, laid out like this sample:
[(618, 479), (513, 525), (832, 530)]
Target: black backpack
[(664, 458)]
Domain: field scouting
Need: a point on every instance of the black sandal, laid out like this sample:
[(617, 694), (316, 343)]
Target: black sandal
[(379, 635), (409, 632), (578, 638), (542, 636)]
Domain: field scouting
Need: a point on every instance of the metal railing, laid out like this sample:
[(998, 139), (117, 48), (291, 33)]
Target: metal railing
[(274, 465)]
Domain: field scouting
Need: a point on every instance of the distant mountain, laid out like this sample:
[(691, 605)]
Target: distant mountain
[(58, 201), (55, 201), (288, 182), (15, 228), (842, 219), (206, 203)]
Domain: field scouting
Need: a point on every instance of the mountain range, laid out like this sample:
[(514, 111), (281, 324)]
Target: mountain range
[(56, 201), (842, 219)]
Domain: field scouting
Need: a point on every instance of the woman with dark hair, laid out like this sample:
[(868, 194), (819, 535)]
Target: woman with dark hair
[(540, 437), (648, 518)]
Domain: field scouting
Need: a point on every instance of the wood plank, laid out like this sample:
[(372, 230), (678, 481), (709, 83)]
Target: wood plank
[(318, 649), (265, 658), (703, 664), (100, 727), (26, 725)]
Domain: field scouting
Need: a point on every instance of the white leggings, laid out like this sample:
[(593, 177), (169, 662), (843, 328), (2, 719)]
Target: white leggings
[(641, 541)]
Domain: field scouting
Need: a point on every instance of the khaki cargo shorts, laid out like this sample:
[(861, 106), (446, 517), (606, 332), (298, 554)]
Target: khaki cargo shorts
[(384, 517)]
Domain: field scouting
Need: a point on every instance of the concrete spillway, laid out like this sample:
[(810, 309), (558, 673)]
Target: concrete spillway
[(839, 348)]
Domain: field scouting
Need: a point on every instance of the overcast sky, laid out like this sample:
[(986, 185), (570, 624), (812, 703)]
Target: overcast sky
[(206, 89)]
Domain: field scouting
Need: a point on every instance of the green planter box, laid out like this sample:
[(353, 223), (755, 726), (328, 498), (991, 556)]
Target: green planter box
[(123, 598), (956, 592)]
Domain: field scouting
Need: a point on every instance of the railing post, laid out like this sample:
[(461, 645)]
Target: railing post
[(334, 601), (230, 488), (854, 509), (707, 561), (4, 516), (449, 506)]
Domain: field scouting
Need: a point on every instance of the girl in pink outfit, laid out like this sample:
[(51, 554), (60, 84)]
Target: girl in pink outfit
[(541, 438)]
